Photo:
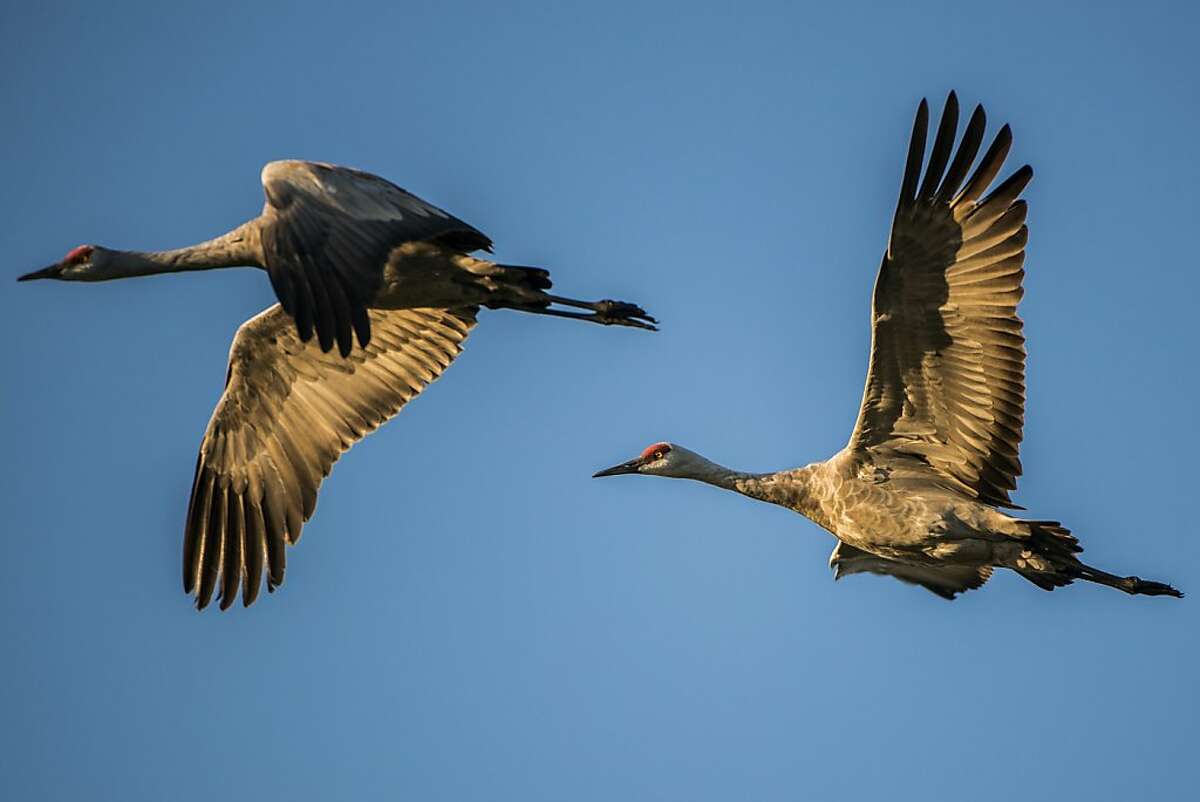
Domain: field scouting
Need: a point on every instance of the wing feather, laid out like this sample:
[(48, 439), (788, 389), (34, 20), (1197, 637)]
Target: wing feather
[(967, 151), (943, 143), (946, 581), (327, 232), (288, 412), (946, 380)]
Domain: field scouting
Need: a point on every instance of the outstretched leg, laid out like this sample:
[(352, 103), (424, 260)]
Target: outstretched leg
[(605, 312), (524, 289), (1130, 584), (1047, 559)]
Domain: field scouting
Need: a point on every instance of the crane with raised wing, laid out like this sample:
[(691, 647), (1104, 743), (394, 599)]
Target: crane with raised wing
[(921, 491)]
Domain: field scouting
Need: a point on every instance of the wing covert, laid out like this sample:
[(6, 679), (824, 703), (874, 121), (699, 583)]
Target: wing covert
[(327, 232)]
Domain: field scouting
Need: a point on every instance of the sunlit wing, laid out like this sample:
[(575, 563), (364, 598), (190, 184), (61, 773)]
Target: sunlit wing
[(946, 380), (327, 232), (288, 412), (945, 580)]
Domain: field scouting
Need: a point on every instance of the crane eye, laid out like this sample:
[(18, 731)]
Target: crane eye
[(658, 455)]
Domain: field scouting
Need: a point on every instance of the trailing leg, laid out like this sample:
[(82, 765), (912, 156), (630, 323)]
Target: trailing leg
[(1129, 584), (1047, 559), (524, 289)]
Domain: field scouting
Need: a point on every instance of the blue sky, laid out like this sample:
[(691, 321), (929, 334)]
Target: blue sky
[(469, 616)]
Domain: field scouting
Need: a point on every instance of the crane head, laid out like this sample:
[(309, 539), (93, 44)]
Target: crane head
[(656, 459), (77, 265)]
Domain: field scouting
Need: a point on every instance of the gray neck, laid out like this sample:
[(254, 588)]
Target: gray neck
[(235, 249), (709, 472), (792, 488)]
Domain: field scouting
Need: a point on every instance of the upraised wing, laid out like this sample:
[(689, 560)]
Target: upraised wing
[(946, 380), (945, 580), (326, 235), (288, 412)]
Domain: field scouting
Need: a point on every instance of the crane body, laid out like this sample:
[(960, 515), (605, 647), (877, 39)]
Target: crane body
[(921, 491), (357, 263)]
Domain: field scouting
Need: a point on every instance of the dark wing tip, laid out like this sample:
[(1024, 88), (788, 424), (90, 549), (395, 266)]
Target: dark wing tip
[(1010, 188), (943, 146), (363, 332), (325, 338), (968, 148), (916, 155), (304, 332), (989, 166)]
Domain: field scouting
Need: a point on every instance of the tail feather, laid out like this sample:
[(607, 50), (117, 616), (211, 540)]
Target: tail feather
[(533, 278), (1045, 579), (1053, 540)]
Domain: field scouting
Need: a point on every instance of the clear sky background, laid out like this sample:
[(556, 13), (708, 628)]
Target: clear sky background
[(469, 616)]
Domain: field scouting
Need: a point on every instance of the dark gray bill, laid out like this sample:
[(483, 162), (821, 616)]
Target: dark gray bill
[(53, 271), (616, 470)]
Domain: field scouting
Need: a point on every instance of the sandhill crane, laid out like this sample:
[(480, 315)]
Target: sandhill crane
[(918, 492), (346, 251)]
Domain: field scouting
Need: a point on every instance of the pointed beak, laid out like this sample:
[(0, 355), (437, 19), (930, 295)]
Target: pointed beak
[(53, 271), (616, 470)]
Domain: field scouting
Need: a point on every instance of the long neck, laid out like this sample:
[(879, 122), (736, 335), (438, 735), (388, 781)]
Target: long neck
[(709, 472), (793, 489), (237, 248)]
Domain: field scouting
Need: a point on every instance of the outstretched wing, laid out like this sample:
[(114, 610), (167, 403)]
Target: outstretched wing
[(944, 580), (326, 235), (947, 376), (288, 412)]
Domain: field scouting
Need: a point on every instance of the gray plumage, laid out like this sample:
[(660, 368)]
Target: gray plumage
[(327, 233), (920, 491), (351, 257)]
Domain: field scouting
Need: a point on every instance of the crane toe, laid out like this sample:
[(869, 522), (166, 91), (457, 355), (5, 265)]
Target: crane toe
[(620, 313)]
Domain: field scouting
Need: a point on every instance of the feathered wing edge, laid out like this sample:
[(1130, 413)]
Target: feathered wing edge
[(946, 581), (946, 376), (288, 412)]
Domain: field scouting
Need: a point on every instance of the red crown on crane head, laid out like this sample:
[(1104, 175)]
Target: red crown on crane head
[(649, 451), (77, 254)]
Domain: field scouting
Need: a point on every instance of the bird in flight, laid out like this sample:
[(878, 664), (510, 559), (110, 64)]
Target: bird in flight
[(921, 491), (351, 257)]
